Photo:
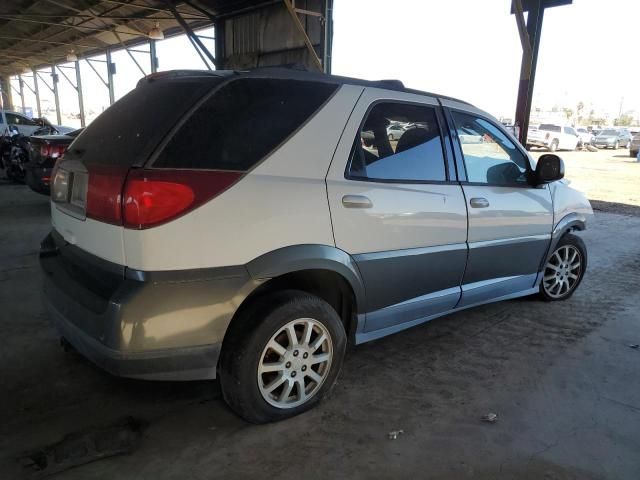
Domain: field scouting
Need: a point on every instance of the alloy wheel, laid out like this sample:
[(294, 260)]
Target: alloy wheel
[(295, 363), (562, 272)]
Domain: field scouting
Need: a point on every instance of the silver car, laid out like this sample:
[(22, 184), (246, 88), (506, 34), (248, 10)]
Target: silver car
[(612, 138)]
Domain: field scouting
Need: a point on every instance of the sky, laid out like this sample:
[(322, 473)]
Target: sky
[(470, 49)]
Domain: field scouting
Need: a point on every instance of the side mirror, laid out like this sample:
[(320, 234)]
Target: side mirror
[(550, 168)]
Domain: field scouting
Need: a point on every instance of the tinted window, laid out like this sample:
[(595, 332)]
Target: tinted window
[(411, 153), (13, 119), (242, 123), (549, 128), (489, 156), (129, 130)]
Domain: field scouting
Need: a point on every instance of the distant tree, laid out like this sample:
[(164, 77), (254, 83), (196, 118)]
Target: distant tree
[(623, 120), (579, 109), (568, 113)]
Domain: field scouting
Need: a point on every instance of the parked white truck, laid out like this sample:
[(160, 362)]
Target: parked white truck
[(553, 137)]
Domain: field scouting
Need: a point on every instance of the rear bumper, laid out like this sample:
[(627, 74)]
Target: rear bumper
[(169, 364), (537, 143), (37, 178), (149, 325)]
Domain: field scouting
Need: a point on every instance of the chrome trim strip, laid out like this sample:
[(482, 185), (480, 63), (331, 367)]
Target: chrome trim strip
[(428, 296), (507, 241), (408, 252), (484, 283)]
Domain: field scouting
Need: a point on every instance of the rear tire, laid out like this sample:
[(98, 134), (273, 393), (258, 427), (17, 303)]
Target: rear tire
[(616, 145), (564, 269), (260, 352), (554, 146)]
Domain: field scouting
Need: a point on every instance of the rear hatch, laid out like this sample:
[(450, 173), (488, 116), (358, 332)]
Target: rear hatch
[(88, 181)]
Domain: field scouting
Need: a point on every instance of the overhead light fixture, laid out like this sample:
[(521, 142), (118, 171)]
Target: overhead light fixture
[(71, 56), (155, 33)]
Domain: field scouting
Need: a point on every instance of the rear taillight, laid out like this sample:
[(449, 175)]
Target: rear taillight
[(153, 197), (104, 193), (140, 199), (546, 137), (53, 151)]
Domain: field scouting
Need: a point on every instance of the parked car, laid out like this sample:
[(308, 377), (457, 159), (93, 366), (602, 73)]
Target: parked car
[(553, 137), (44, 151), (612, 138), (25, 125), (635, 145), (395, 131), (584, 135), (195, 237)]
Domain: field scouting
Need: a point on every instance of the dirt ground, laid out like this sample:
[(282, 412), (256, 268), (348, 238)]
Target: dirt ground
[(562, 379)]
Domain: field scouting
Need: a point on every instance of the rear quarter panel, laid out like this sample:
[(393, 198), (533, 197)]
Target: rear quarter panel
[(281, 202)]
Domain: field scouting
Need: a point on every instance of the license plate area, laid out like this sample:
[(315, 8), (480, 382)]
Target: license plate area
[(69, 192)]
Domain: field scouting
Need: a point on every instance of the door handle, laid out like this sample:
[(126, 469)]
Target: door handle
[(479, 203), (356, 201)]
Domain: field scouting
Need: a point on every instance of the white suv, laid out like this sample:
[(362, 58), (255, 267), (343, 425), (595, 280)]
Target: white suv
[(235, 224)]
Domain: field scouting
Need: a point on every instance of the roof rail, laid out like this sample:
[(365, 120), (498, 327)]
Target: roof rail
[(389, 83)]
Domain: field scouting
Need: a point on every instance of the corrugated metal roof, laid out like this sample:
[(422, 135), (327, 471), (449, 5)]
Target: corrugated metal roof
[(41, 32)]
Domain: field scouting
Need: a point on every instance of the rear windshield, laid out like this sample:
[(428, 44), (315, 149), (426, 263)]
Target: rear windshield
[(127, 132), (549, 127), (609, 132), (242, 123)]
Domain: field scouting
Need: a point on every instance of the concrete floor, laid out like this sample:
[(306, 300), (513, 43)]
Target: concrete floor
[(561, 377)]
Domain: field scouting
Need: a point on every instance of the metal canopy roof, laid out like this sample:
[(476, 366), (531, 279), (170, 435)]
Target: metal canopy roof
[(41, 32)]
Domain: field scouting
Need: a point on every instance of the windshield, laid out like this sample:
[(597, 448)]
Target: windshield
[(608, 132), (549, 127)]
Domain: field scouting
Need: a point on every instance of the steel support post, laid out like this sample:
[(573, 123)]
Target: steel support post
[(153, 56), (79, 90), (110, 77), (36, 91), (219, 43), (193, 38), (56, 97), (21, 91)]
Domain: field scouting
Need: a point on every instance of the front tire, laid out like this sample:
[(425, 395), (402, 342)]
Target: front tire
[(616, 145), (282, 356), (564, 269), (554, 146)]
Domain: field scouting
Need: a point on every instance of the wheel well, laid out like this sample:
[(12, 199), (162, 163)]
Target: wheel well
[(328, 285)]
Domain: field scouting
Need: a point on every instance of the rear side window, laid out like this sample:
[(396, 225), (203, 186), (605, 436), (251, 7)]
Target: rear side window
[(242, 123), (549, 128), (400, 143), (129, 130)]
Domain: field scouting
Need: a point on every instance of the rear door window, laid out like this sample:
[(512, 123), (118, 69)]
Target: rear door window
[(412, 153), (242, 123)]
